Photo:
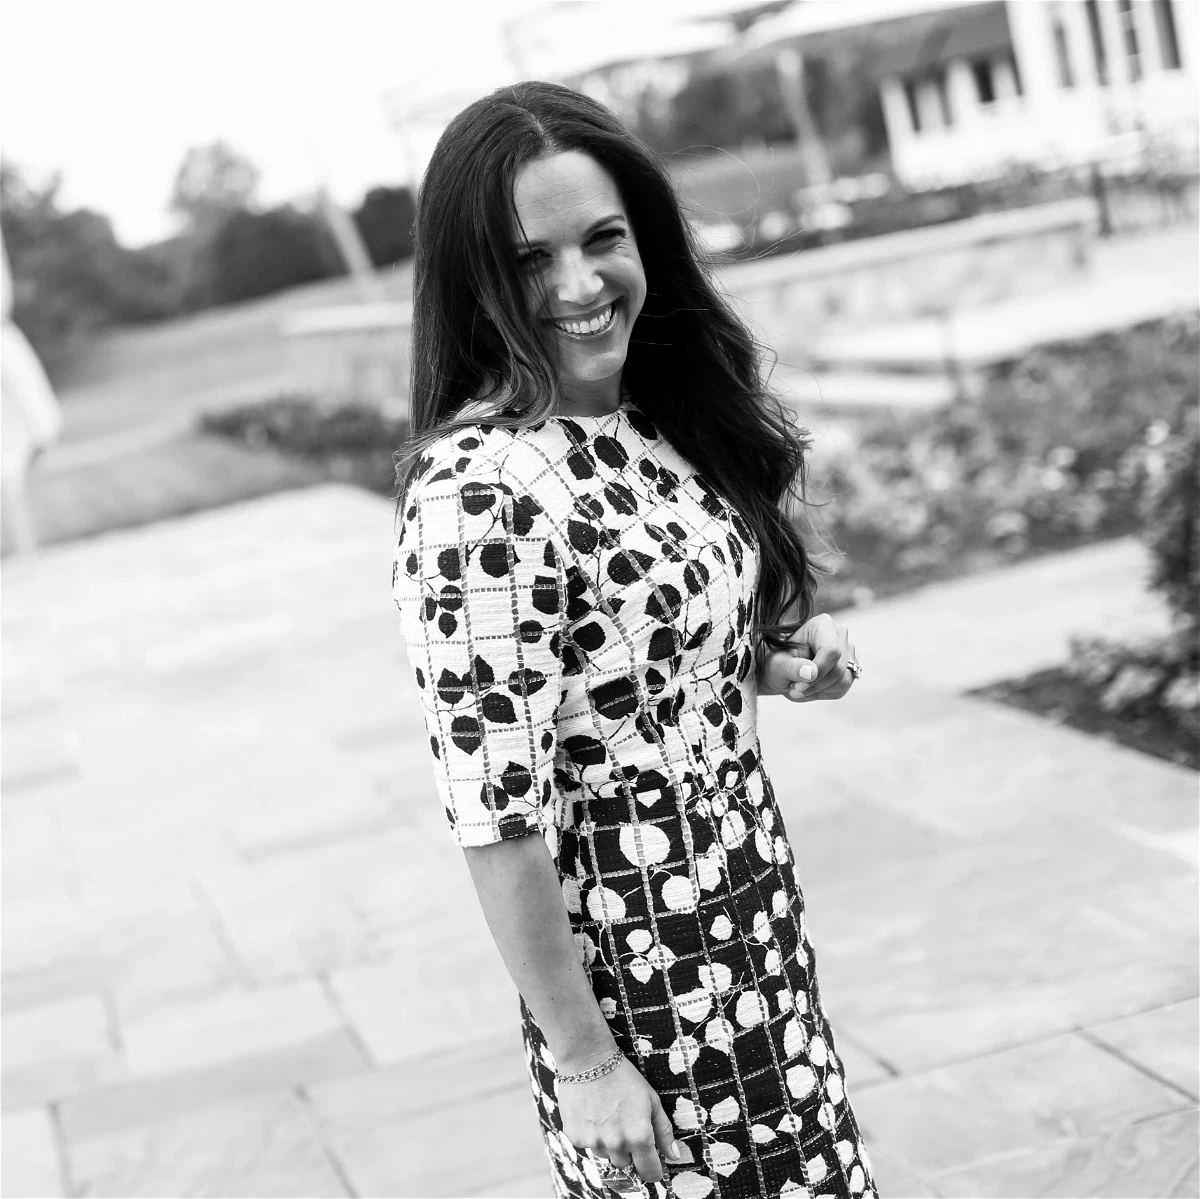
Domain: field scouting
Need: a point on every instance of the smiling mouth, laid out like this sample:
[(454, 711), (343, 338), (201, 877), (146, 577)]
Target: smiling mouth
[(596, 326)]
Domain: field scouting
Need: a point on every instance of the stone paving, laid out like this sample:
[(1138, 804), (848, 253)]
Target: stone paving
[(242, 956)]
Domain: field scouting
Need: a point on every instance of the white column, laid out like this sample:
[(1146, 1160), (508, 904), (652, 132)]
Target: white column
[(899, 124), (1004, 82), (1187, 33), (1114, 43), (929, 105), (1079, 43), (895, 112), (964, 99), (1147, 36), (1033, 48)]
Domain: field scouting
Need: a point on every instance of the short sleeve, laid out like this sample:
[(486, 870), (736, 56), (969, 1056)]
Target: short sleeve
[(478, 581)]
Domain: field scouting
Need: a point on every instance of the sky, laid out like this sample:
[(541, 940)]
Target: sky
[(114, 93)]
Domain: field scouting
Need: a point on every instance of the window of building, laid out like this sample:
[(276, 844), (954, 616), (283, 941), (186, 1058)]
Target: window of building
[(985, 83), (939, 81), (1168, 36), (1062, 50), (1097, 36), (1129, 35)]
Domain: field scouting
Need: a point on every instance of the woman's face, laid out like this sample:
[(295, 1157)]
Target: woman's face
[(577, 254)]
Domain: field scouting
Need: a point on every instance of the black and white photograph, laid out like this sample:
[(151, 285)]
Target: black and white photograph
[(600, 599)]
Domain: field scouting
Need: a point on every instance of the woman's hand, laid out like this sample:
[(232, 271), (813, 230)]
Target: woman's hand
[(620, 1117), (814, 667)]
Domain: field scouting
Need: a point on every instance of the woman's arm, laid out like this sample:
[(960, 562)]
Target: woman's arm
[(518, 887), (619, 1115)]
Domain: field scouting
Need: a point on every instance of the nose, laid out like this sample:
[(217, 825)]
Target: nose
[(576, 280)]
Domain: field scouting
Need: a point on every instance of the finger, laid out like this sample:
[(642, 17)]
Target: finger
[(827, 658), (664, 1136), (835, 684), (782, 670), (646, 1161), (834, 688), (829, 674)]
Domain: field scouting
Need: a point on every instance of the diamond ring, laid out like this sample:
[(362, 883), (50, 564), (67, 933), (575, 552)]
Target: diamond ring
[(621, 1180), (853, 667)]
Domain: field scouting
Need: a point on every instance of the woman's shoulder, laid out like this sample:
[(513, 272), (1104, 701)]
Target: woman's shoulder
[(469, 461)]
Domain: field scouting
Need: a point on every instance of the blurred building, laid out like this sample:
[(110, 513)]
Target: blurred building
[(971, 88)]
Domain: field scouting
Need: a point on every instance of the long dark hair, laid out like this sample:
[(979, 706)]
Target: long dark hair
[(692, 366)]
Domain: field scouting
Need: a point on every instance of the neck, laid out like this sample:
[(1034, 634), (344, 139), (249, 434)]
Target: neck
[(597, 398)]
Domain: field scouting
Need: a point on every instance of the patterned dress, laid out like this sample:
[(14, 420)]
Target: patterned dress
[(578, 604)]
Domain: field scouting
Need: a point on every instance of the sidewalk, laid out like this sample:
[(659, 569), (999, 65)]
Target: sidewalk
[(242, 956)]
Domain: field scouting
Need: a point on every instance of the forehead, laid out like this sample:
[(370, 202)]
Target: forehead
[(562, 194)]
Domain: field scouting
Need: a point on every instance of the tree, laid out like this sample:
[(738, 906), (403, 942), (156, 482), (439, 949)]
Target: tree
[(70, 274), (213, 185), (385, 220), (213, 182), (257, 253)]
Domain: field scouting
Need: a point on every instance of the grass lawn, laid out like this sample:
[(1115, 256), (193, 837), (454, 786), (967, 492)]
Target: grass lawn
[(191, 473)]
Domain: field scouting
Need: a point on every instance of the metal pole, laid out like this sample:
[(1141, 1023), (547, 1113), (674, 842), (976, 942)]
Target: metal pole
[(346, 235)]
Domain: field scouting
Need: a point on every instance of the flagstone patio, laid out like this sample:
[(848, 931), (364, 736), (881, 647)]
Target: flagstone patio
[(242, 957)]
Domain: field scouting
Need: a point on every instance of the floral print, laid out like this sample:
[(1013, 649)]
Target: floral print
[(578, 604)]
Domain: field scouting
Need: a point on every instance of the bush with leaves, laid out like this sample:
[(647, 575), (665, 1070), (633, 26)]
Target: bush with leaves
[(1160, 675), (1059, 449), (354, 442)]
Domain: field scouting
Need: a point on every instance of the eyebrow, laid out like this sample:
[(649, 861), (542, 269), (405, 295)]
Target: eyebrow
[(607, 220)]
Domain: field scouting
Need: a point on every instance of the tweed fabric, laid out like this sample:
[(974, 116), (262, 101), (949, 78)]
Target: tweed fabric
[(578, 605)]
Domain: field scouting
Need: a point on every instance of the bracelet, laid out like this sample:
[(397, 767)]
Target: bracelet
[(606, 1067)]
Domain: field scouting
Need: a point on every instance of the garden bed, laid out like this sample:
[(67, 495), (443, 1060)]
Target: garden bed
[(1153, 728)]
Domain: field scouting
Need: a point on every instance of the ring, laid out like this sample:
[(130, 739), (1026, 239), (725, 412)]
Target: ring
[(622, 1180), (853, 667)]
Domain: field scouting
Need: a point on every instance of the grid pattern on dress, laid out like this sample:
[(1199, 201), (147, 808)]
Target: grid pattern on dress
[(578, 605)]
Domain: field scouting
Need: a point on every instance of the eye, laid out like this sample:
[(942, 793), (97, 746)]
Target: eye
[(609, 235), (531, 260)]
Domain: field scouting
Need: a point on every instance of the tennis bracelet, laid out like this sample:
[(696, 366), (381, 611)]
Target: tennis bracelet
[(606, 1067)]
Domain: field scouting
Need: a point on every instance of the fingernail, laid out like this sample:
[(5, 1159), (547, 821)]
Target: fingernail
[(674, 1153), (808, 671), (797, 690)]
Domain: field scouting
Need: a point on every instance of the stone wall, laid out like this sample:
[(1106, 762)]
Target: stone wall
[(919, 272), (361, 352)]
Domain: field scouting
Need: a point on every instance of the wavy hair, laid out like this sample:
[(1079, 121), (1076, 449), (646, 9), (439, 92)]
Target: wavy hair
[(692, 365)]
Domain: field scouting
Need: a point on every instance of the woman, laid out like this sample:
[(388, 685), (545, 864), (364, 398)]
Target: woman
[(596, 581)]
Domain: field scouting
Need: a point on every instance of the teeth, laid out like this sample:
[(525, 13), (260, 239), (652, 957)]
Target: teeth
[(586, 328)]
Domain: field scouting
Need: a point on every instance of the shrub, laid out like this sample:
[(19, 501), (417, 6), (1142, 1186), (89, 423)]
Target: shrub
[(1172, 524), (1059, 449), (1140, 678), (354, 442)]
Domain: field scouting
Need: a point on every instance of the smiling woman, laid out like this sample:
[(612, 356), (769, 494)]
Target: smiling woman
[(577, 250), (597, 580)]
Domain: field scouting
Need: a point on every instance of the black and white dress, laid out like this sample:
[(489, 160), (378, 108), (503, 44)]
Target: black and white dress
[(578, 605)]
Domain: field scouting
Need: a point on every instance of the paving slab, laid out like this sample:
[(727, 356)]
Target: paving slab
[(1034, 1096), (234, 1024), (57, 1050), (30, 1166), (487, 1141), (1160, 1041), (262, 1147), (1150, 1159), (131, 1103), (247, 872)]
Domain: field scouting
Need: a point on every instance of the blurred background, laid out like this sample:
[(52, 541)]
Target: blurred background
[(966, 233)]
